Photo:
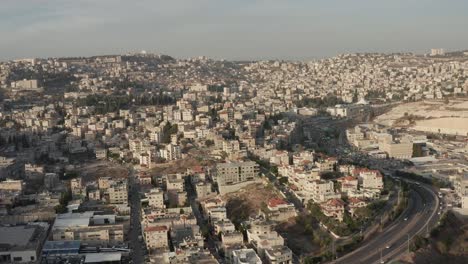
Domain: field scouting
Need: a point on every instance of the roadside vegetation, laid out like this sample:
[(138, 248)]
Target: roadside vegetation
[(447, 243), (415, 177)]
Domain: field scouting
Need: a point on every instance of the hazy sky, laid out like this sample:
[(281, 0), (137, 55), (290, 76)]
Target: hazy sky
[(234, 29)]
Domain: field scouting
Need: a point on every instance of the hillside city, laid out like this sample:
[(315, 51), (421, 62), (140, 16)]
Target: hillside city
[(145, 158)]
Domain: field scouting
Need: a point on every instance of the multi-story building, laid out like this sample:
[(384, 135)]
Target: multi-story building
[(369, 179), (118, 193), (278, 255), (326, 165), (89, 228), (76, 183), (348, 184), (334, 208), (321, 190), (397, 149), (231, 146), (231, 238), (245, 256), (262, 236), (171, 152), (279, 210), (156, 198), (224, 225), (11, 185), (236, 172), (26, 84), (145, 159), (23, 243), (175, 182), (156, 237)]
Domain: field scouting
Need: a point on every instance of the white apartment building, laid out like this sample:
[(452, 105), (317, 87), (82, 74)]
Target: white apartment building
[(236, 172), (145, 159), (156, 198), (263, 236), (279, 255), (399, 150), (319, 191), (171, 152), (230, 146), (370, 179), (118, 193), (245, 256), (156, 237)]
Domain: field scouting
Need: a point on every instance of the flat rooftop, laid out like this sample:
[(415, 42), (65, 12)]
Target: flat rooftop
[(62, 245), (103, 257), (16, 235)]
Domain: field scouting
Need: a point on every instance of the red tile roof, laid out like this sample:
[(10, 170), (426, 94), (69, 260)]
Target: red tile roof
[(358, 171), (156, 229), (276, 201), (335, 202), (347, 178), (354, 200)]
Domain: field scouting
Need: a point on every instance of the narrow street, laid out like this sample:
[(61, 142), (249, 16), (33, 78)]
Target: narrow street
[(136, 245), (210, 240)]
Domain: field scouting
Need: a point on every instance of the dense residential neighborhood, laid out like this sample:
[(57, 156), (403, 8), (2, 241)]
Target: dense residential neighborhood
[(144, 158)]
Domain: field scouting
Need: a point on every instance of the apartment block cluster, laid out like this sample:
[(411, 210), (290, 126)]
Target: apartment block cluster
[(141, 110), (306, 175), (165, 223), (266, 245), (203, 111), (92, 226)]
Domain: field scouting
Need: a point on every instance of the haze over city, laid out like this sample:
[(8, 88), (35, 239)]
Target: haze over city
[(241, 29)]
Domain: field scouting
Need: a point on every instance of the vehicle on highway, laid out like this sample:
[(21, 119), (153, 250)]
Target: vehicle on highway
[(388, 246), (406, 219)]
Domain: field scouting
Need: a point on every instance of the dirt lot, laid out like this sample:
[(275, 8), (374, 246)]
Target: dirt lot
[(177, 166), (92, 171), (430, 109), (248, 200)]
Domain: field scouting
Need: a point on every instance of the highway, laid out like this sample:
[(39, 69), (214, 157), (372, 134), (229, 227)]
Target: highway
[(417, 219)]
